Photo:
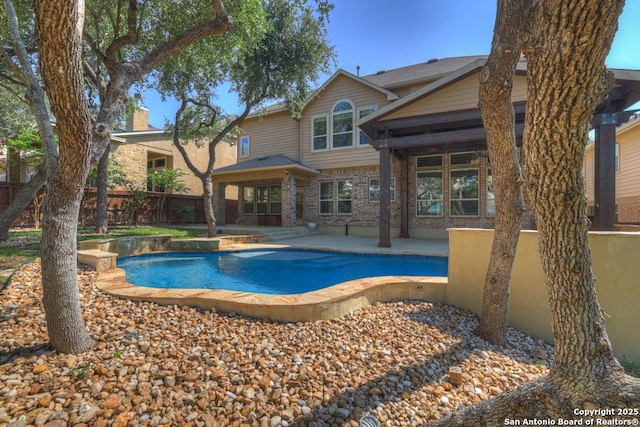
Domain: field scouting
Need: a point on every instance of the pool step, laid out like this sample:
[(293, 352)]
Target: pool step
[(287, 233)]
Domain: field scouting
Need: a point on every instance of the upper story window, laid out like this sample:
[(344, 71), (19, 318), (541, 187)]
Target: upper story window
[(342, 125), (319, 137), (244, 146), (363, 139)]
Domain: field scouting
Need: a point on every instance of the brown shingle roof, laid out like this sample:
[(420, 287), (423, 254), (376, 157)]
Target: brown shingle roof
[(274, 161), (421, 72)]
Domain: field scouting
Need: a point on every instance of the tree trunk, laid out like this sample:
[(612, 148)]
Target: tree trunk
[(566, 46), (61, 66), (21, 201), (102, 206), (496, 82), (207, 197), (567, 79)]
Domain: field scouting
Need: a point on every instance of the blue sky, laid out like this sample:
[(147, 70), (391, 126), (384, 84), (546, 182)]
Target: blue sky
[(382, 35)]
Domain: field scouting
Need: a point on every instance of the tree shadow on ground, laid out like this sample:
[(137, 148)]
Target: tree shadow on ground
[(396, 385), (24, 352)]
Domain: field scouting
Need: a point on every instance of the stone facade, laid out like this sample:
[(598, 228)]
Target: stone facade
[(133, 159)]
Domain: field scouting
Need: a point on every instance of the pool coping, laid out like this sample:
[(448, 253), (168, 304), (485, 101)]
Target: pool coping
[(327, 303)]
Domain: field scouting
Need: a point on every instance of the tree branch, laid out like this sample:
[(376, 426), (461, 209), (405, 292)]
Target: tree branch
[(222, 23), (176, 139), (95, 48), (12, 90), (130, 38), (35, 92), (96, 79), (6, 58)]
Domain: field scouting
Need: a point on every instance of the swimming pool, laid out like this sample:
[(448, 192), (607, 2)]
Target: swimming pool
[(273, 271)]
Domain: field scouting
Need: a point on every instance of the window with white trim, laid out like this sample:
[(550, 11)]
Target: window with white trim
[(248, 199), (363, 139), (326, 197), (275, 199), (244, 146), (342, 125), (463, 185), (374, 189), (429, 193), (319, 133), (261, 199), (345, 194), (491, 200), (336, 197)]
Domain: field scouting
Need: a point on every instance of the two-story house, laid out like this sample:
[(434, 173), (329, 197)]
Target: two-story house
[(401, 152)]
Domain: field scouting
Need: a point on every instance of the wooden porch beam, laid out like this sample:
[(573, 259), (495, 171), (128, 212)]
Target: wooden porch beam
[(385, 198), (605, 174), (445, 119), (431, 139)]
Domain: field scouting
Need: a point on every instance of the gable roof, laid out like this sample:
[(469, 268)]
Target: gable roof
[(281, 106), (422, 72), (367, 123), (391, 96)]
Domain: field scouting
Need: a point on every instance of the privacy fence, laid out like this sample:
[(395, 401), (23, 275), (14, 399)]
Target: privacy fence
[(124, 207)]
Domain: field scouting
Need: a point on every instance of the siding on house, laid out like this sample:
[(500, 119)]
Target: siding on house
[(628, 176), (461, 95), (589, 172), (278, 132), (362, 96)]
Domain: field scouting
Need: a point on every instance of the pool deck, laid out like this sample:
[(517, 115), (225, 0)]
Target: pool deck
[(327, 303)]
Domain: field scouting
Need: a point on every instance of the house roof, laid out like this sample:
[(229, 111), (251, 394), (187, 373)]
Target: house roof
[(422, 72), (278, 163), (367, 122), (281, 106)]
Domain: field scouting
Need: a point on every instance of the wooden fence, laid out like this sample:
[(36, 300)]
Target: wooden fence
[(156, 208)]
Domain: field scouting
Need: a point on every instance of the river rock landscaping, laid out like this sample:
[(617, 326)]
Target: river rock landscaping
[(179, 366)]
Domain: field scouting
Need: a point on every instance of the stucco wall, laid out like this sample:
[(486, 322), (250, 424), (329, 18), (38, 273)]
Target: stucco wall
[(615, 264)]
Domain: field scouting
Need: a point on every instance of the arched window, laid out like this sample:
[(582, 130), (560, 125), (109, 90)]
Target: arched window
[(342, 125)]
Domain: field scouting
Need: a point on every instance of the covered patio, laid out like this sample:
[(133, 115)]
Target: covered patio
[(400, 131)]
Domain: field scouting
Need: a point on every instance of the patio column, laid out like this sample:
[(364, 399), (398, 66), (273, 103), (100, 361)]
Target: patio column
[(221, 205), (403, 197), (385, 196), (288, 201), (605, 172)]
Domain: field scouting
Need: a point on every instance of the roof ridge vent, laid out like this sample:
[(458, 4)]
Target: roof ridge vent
[(381, 72), (262, 158), (432, 60)]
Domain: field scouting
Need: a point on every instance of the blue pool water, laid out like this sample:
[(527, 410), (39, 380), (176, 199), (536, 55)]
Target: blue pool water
[(280, 272)]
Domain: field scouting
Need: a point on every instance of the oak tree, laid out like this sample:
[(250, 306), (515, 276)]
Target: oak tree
[(60, 26), (498, 118), (566, 44), (290, 55)]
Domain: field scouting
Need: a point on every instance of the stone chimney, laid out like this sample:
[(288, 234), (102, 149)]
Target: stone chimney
[(138, 120)]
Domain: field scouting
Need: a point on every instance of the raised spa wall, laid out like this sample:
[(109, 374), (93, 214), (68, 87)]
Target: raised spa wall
[(102, 253)]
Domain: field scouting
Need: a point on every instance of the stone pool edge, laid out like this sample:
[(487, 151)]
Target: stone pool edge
[(328, 303)]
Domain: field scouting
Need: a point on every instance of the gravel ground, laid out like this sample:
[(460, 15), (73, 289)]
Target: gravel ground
[(179, 366)]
